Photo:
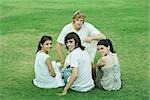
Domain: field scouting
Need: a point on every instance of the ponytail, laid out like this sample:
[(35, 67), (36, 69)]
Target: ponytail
[(39, 47), (111, 46)]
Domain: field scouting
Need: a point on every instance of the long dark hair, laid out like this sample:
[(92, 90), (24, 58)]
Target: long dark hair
[(75, 36), (106, 43), (42, 40)]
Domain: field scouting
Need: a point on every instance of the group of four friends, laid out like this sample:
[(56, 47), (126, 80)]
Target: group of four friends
[(77, 70)]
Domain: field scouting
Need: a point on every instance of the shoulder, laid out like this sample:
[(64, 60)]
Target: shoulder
[(87, 24), (114, 55), (91, 27), (41, 56), (76, 54), (67, 26), (77, 51), (106, 59), (85, 53), (115, 58), (48, 59), (44, 55), (82, 54)]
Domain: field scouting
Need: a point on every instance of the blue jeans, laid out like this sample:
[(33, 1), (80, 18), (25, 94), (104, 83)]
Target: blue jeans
[(67, 73)]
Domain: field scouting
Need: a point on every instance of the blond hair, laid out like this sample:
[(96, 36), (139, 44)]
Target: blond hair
[(78, 14)]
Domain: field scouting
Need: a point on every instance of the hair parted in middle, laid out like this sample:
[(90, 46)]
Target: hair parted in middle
[(75, 36)]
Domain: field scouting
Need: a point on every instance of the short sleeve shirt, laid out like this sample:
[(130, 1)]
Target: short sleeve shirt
[(87, 29)]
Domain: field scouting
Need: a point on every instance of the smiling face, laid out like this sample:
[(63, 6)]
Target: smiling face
[(70, 44), (103, 50), (46, 46), (78, 23)]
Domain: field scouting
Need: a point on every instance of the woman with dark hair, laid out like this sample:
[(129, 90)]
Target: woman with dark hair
[(77, 70), (108, 73), (47, 74)]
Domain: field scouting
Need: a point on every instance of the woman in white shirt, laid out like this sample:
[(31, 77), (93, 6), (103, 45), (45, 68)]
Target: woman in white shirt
[(47, 74), (77, 68)]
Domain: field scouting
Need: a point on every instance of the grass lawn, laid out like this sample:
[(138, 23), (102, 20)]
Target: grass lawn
[(23, 22)]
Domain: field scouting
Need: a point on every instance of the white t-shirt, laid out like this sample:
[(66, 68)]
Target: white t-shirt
[(80, 59), (43, 78), (86, 30)]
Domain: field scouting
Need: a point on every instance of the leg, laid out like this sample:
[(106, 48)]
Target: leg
[(93, 72)]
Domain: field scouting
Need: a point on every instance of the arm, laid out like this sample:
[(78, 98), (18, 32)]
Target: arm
[(50, 67), (94, 34), (70, 82), (60, 53), (96, 37), (100, 63)]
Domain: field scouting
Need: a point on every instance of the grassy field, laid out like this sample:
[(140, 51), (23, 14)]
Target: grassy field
[(23, 22)]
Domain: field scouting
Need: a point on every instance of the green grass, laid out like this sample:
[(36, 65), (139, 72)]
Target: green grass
[(23, 22)]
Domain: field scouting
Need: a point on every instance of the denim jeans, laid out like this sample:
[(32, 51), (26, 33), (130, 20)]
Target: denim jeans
[(67, 73)]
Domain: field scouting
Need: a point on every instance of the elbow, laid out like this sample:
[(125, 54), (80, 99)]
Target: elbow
[(75, 76), (53, 75), (57, 46), (102, 36)]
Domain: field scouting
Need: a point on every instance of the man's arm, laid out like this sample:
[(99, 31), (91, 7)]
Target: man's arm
[(70, 82), (98, 37), (89, 39), (60, 53)]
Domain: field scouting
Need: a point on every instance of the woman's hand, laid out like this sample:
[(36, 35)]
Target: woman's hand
[(63, 93), (100, 63)]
